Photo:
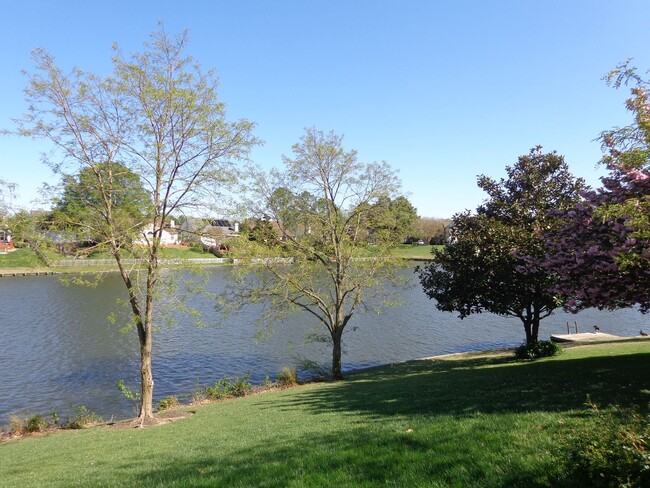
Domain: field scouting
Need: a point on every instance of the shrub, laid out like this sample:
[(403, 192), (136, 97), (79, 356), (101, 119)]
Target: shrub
[(36, 423), (287, 376), (615, 452), (226, 387), (17, 425), (168, 402), (539, 349), (126, 391), (82, 418)]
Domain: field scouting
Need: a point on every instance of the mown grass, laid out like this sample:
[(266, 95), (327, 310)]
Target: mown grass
[(165, 253), (20, 258), (413, 251), (470, 421)]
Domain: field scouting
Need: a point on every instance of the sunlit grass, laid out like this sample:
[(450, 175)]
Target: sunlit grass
[(471, 421), (413, 251), (20, 258)]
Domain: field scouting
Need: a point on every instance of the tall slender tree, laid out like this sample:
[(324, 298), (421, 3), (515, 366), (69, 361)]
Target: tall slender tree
[(316, 263), (158, 115)]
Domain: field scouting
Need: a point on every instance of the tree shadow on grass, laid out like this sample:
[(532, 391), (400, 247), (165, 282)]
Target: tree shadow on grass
[(381, 451), (356, 458), (486, 385)]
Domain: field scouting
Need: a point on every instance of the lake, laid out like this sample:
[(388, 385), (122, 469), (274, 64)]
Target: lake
[(59, 350)]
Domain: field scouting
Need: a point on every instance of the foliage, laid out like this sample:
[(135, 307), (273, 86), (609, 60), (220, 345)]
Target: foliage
[(37, 423), (17, 424), (494, 262), (613, 452), (537, 350), (226, 388), (83, 209), (158, 115), (287, 376), (82, 417), (309, 255), (168, 402), (389, 220), (126, 391), (602, 252), (431, 230)]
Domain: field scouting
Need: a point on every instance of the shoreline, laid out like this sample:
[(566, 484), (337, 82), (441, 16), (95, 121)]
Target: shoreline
[(182, 410)]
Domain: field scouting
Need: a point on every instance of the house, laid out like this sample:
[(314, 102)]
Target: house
[(6, 241), (170, 235), (210, 233)]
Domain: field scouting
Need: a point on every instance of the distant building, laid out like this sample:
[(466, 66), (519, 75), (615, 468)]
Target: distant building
[(209, 233), (6, 240), (170, 235)]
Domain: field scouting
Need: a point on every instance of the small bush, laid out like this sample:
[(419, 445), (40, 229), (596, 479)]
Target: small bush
[(287, 376), (36, 423), (82, 418), (226, 387), (17, 425), (168, 402), (614, 453), (536, 350)]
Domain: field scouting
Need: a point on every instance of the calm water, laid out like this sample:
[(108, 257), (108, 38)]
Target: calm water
[(59, 350)]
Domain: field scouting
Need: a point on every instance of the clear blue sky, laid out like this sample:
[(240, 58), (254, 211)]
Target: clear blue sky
[(443, 91)]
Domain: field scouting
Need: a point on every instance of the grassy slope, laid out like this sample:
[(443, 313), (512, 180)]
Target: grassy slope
[(483, 421)]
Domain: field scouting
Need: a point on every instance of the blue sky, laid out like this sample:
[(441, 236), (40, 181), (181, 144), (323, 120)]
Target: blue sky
[(443, 91)]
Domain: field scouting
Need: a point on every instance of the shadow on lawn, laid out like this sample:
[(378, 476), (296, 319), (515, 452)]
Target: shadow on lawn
[(487, 385), (374, 455), (358, 457)]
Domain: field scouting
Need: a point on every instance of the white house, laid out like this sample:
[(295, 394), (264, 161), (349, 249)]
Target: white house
[(168, 237)]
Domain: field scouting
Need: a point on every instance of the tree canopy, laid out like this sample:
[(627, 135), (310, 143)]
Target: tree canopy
[(317, 264), (494, 262), (104, 201)]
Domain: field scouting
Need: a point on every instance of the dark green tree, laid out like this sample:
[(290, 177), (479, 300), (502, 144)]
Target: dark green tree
[(102, 202), (494, 262)]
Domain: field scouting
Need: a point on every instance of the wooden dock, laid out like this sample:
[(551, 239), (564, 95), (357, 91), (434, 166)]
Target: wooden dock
[(591, 337)]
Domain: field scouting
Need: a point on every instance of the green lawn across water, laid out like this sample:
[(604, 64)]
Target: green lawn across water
[(20, 258), (413, 251), (475, 420)]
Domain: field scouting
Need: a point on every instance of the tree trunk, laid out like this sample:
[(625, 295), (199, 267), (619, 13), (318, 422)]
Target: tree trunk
[(531, 327), (146, 337), (337, 374), (146, 377)]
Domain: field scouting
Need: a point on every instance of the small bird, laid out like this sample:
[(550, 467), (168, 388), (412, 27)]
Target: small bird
[(641, 333), (596, 328)]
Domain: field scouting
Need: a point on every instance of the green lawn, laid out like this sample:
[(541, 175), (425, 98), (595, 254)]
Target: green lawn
[(414, 251), (166, 253), (20, 258), (469, 421)]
